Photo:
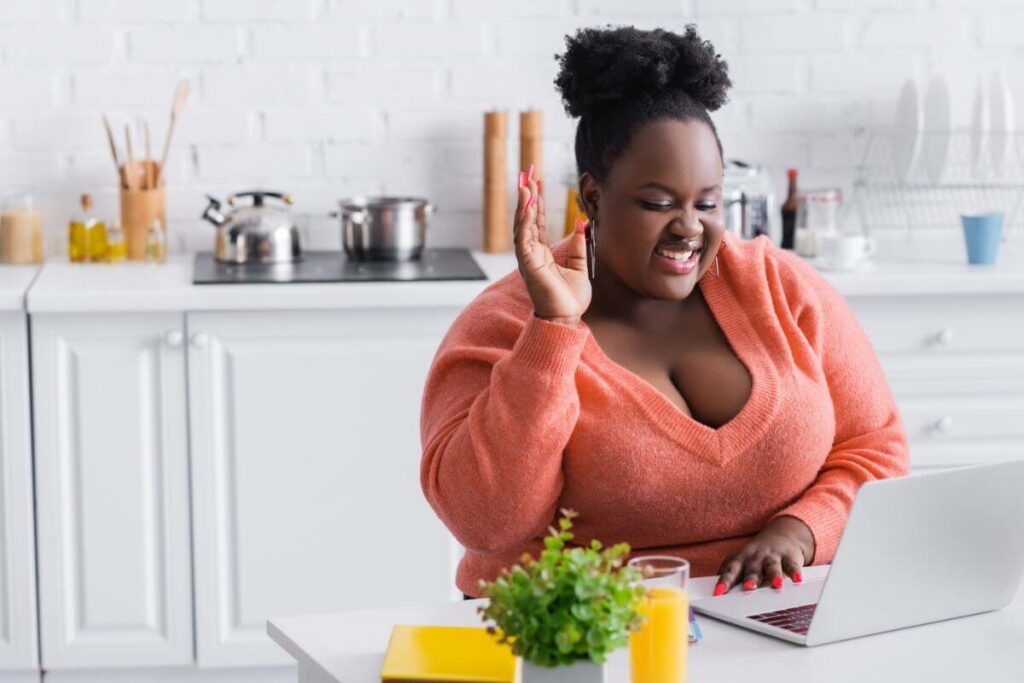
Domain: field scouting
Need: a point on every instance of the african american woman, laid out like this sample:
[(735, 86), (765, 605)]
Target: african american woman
[(702, 396)]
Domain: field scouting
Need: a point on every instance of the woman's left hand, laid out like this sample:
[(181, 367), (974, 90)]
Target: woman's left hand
[(785, 545)]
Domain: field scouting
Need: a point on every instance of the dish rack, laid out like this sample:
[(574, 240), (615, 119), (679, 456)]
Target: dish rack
[(885, 198)]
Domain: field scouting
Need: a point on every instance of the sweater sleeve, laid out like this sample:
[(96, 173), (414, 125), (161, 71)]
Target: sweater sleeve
[(870, 442), (498, 409)]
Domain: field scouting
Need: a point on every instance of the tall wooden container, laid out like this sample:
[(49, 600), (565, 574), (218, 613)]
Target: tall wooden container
[(497, 230)]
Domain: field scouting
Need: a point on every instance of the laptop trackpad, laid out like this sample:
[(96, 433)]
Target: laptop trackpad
[(740, 603)]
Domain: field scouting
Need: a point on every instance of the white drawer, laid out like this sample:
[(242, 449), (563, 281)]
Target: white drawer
[(958, 452), (940, 375), (941, 420), (943, 325)]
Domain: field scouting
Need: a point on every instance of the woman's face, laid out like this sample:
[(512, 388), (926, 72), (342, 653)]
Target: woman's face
[(659, 199)]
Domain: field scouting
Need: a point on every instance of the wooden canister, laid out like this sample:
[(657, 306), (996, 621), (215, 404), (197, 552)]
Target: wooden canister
[(497, 232), (531, 142), (139, 208)]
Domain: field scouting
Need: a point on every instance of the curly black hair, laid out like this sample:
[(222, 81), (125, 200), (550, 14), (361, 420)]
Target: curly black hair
[(617, 78)]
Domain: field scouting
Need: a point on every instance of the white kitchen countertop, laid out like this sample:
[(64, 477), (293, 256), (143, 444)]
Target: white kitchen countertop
[(14, 282), (71, 287), (900, 267)]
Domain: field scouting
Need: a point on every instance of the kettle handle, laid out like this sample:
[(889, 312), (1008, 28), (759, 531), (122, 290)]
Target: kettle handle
[(258, 195)]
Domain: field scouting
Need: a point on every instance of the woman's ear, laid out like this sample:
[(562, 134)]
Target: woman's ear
[(589, 195)]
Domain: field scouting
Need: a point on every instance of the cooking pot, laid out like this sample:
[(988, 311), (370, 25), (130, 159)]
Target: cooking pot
[(383, 228)]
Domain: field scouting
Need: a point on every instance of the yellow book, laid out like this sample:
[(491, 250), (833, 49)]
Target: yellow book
[(452, 654)]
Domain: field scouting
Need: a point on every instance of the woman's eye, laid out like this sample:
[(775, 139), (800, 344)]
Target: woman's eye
[(706, 207), (656, 206)]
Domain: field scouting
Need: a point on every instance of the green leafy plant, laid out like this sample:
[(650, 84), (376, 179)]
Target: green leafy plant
[(570, 604)]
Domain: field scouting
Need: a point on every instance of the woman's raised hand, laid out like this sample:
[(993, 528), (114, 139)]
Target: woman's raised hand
[(559, 293)]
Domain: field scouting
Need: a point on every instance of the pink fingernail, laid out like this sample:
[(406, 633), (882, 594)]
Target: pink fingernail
[(777, 582), (797, 577), (719, 589), (529, 175), (749, 586), (580, 226)]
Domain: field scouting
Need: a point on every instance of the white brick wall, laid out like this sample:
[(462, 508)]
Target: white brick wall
[(327, 98)]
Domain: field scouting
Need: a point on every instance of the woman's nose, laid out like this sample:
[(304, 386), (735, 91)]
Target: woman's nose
[(687, 225)]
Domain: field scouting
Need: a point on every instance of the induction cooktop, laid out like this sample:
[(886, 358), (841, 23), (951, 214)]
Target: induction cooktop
[(334, 266)]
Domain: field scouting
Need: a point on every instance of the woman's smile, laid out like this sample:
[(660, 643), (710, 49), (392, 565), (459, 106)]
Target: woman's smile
[(678, 260)]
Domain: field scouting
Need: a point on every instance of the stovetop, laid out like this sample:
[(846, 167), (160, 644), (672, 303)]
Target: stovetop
[(333, 266)]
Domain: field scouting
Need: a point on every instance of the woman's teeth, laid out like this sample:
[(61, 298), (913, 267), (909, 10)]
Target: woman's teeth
[(675, 255)]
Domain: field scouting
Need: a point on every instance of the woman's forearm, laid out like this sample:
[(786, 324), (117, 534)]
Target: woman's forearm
[(493, 473)]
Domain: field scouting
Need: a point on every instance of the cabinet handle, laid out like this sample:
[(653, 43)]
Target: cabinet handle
[(173, 337), (200, 340), (944, 425), (944, 338)]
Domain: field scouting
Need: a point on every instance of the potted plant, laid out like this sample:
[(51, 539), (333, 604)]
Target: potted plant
[(566, 611)]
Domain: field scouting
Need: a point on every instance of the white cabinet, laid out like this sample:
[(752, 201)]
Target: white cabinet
[(18, 648), (305, 470), (956, 367), (112, 490)]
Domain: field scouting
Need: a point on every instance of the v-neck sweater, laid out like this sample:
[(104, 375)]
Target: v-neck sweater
[(521, 417)]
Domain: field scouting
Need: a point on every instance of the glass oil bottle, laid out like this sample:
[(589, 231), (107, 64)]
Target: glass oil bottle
[(87, 235)]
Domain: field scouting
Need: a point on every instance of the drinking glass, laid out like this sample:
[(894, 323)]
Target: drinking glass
[(657, 652)]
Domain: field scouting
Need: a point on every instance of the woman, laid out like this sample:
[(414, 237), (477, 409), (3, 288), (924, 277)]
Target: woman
[(703, 396)]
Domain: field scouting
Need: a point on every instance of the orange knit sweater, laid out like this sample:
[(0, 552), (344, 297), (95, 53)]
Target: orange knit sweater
[(521, 416)]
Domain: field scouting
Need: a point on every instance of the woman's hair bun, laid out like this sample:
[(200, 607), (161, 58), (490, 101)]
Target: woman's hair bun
[(603, 65)]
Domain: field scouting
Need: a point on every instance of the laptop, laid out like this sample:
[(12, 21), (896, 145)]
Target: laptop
[(915, 550)]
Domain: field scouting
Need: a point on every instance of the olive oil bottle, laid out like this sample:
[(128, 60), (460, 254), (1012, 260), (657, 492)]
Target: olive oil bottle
[(87, 235)]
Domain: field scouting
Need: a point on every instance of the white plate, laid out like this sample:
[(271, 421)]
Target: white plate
[(938, 124), (906, 142), (979, 129), (1001, 121)]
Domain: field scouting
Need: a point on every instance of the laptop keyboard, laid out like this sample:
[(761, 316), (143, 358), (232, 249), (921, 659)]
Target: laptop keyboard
[(795, 619)]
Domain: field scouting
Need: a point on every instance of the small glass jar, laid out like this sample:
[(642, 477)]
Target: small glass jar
[(21, 230), (117, 249), (156, 243)]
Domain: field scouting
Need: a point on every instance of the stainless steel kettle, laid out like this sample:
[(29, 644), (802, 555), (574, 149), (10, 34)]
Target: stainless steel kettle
[(256, 233)]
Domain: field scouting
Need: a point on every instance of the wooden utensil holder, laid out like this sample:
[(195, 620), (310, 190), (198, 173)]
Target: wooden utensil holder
[(139, 208)]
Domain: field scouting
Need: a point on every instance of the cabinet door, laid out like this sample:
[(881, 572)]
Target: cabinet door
[(305, 470), (112, 487), (18, 648)]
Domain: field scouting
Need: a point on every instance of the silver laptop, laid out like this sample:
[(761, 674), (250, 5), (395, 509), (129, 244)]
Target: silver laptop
[(915, 550)]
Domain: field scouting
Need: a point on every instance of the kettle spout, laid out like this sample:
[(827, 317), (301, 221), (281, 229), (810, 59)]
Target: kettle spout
[(212, 212)]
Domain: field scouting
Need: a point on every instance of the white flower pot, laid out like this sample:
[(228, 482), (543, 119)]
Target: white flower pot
[(583, 671)]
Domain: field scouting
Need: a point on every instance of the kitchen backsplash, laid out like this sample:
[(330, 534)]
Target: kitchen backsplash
[(328, 98)]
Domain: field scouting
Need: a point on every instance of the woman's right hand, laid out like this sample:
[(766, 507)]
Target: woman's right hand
[(559, 293)]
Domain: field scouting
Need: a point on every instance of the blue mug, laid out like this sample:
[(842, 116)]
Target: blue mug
[(982, 233)]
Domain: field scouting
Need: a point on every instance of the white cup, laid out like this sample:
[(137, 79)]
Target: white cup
[(846, 252)]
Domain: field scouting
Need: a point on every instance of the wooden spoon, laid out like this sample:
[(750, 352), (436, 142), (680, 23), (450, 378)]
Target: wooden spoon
[(130, 167), (113, 150)]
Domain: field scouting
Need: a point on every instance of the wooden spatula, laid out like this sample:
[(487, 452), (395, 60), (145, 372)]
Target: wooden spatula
[(180, 96)]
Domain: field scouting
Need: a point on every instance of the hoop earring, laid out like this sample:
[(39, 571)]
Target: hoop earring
[(717, 270), (590, 233)]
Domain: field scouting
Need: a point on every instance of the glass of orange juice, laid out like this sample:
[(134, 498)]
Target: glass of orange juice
[(657, 652)]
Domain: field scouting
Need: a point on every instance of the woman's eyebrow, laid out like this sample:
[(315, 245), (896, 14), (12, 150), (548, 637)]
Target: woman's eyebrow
[(665, 188)]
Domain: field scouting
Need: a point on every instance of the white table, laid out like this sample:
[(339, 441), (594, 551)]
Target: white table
[(348, 647)]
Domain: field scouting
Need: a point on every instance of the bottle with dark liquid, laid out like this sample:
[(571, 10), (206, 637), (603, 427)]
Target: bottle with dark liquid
[(789, 208)]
